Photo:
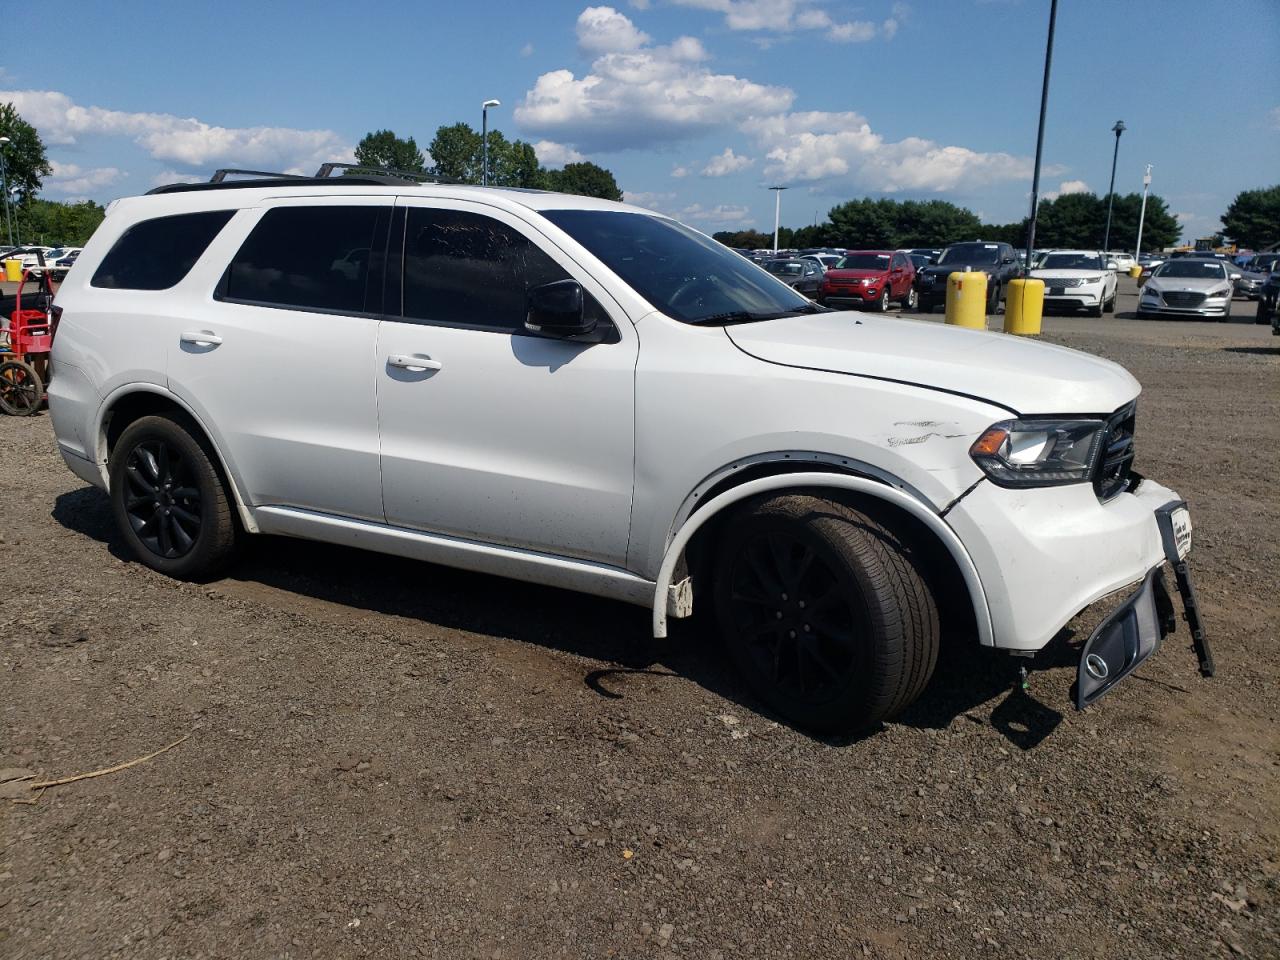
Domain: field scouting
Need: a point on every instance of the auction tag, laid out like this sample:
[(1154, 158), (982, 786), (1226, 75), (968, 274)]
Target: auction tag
[(1182, 531)]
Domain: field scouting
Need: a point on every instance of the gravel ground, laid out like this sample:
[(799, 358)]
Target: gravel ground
[(397, 760)]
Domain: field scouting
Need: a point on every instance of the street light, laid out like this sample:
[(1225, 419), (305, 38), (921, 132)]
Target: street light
[(1111, 194), (1146, 185), (777, 212), (484, 139), (4, 186)]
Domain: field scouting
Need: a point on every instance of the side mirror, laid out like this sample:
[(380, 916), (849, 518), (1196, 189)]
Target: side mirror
[(1007, 260), (1112, 265), (556, 310)]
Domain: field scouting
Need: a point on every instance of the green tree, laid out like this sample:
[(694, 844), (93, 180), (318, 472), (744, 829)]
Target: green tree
[(585, 179), (382, 148), (887, 223), (455, 153), (1071, 220), (47, 222), (1253, 219), (26, 164), (1160, 228)]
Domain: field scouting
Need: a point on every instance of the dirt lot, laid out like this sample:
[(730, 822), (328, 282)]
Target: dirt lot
[(396, 760)]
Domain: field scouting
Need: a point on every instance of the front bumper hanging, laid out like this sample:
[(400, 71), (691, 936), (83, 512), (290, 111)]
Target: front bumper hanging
[(1137, 628)]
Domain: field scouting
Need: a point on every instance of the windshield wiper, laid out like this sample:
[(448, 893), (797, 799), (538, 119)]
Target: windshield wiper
[(745, 316)]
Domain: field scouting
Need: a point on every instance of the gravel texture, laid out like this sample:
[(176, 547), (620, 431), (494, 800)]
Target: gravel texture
[(390, 759)]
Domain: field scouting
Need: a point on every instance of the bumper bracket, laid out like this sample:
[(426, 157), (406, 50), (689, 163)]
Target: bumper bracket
[(1182, 575)]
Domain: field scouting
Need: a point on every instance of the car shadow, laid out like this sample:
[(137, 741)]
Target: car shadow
[(1255, 351), (967, 677)]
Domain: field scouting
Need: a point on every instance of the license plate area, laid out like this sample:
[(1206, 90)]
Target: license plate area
[(1057, 291), (1125, 639)]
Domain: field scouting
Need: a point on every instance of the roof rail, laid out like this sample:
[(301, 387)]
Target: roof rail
[(326, 170), (222, 174)]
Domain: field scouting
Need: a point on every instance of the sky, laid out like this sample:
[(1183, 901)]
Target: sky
[(697, 106)]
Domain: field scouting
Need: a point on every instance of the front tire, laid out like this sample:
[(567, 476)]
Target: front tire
[(824, 613), (912, 300), (169, 501), (882, 305)]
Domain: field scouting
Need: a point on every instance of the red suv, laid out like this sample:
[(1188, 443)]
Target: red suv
[(870, 277)]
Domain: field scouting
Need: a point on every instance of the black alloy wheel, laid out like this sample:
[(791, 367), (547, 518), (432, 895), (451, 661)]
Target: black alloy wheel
[(21, 391), (162, 502)]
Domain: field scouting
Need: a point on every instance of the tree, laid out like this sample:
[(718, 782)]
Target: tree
[(885, 223), (455, 153), (1160, 228), (1253, 219), (382, 148), (585, 179), (47, 223), (1079, 220), (26, 164)]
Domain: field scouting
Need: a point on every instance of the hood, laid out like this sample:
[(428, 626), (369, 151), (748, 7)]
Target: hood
[(1023, 376), (855, 274)]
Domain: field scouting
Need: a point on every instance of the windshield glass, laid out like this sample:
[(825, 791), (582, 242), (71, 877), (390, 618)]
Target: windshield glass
[(864, 261), (682, 273), (975, 254), (1192, 269), (785, 268), (1071, 261)]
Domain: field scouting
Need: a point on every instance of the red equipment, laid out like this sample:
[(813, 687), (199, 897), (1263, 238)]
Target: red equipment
[(24, 349)]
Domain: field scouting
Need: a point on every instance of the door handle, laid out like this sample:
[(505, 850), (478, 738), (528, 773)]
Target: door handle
[(201, 338), (413, 364)]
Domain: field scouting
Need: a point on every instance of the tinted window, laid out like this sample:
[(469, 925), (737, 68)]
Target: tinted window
[(976, 254), (156, 254), (312, 258), (465, 269)]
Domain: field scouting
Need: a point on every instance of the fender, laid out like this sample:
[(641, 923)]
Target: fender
[(100, 443), (977, 596)]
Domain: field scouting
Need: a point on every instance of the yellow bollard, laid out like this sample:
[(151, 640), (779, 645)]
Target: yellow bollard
[(1135, 271), (1024, 307), (967, 300), (13, 270)]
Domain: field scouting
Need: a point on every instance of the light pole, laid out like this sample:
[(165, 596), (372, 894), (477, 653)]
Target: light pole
[(1111, 194), (777, 212), (1146, 185), (4, 185), (1044, 103), (484, 139)]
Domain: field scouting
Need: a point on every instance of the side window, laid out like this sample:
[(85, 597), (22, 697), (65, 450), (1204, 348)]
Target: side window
[(327, 259), (464, 269), (156, 254)]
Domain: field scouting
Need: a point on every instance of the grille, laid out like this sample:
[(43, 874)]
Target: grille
[(1183, 298), (1111, 476), (1063, 282)]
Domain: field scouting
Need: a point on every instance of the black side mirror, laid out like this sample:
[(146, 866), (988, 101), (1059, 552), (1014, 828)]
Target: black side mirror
[(556, 310)]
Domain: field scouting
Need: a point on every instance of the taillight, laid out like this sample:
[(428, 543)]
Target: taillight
[(55, 315)]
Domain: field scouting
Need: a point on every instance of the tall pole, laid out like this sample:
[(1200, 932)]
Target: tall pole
[(1111, 193), (484, 140), (777, 213), (1146, 185), (4, 186), (1044, 104)]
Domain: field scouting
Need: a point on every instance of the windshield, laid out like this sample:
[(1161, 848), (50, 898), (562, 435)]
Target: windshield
[(785, 268), (975, 254), (682, 273), (864, 261), (1070, 261), (1192, 269)]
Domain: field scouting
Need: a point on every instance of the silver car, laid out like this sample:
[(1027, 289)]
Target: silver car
[(1187, 288)]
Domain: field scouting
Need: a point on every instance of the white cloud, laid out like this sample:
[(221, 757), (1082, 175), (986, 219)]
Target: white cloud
[(184, 140), (552, 154), (791, 16), (721, 214), (640, 4), (723, 164), (1065, 187), (652, 201), (69, 178), (605, 30), (679, 172), (817, 146), (526, 50), (166, 177), (641, 95)]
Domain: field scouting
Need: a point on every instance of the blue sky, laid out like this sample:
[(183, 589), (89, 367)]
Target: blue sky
[(696, 105)]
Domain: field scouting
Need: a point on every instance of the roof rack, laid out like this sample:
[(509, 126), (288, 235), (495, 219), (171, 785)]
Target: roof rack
[(326, 170), (354, 175), (222, 174)]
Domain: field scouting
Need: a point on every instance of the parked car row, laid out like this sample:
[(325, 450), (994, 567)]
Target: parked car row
[(58, 260)]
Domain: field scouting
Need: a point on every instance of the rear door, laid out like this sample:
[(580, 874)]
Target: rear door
[(489, 432), (278, 362)]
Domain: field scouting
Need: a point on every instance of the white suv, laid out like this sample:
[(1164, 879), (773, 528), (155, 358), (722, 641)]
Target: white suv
[(590, 395)]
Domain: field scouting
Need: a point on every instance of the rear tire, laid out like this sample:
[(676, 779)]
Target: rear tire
[(824, 613), (169, 500)]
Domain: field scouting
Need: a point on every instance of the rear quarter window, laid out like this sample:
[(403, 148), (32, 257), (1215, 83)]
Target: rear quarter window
[(156, 254)]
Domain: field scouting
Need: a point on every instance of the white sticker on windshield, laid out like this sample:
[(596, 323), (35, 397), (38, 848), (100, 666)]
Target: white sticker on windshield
[(989, 246)]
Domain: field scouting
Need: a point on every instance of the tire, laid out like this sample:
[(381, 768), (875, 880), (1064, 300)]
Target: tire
[(169, 500), (882, 305), (21, 391), (1110, 305), (912, 300), (993, 299), (1096, 312), (867, 644)]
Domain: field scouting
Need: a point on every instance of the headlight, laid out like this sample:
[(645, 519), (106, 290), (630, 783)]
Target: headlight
[(1038, 453), (1221, 292), (1088, 280)]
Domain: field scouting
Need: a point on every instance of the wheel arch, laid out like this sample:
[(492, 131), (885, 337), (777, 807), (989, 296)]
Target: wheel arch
[(132, 401), (891, 502)]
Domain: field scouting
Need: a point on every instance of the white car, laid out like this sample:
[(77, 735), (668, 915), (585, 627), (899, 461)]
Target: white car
[(1188, 287), (590, 395), (1123, 261), (1077, 279)]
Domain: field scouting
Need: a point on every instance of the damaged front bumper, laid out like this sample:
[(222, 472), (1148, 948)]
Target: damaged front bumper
[(1135, 630)]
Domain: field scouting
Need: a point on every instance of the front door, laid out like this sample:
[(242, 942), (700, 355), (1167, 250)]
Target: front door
[(279, 364), (489, 432)]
